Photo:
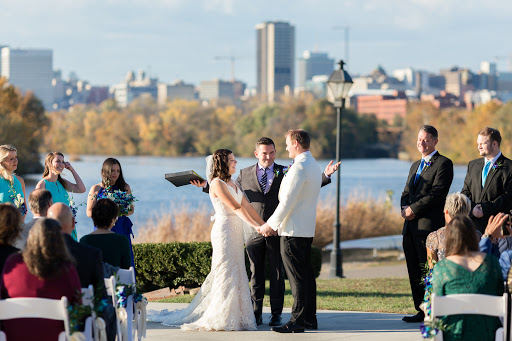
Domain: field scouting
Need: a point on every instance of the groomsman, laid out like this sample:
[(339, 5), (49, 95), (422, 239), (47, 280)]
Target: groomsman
[(294, 221), (422, 205), (488, 182), (261, 183)]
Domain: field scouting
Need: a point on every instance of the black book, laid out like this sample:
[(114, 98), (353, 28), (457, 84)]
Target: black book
[(182, 178)]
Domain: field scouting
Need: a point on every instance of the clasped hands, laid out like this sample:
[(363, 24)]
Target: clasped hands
[(407, 213), (266, 230)]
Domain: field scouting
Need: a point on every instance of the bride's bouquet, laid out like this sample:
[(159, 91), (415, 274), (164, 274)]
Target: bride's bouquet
[(123, 200)]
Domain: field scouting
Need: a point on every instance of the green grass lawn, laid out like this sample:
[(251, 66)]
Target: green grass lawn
[(389, 295)]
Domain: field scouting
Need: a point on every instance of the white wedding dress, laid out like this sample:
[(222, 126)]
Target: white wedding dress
[(224, 301)]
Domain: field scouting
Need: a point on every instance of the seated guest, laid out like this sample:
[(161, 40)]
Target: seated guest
[(39, 201), (455, 204), (10, 229), (115, 247), (89, 262), (465, 270), (43, 269)]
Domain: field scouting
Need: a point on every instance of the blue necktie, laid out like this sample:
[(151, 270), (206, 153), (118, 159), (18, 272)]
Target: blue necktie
[(263, 182), (420, 169), (485, 172)]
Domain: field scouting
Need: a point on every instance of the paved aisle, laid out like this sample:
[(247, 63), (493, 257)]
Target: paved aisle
[(334, 325)]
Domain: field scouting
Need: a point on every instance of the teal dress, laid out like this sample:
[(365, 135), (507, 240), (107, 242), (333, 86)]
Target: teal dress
[(59, 194), (5, 189), (451, 278)]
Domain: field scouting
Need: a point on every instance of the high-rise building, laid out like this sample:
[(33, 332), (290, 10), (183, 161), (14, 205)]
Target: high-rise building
[(313, 64), (30, 70), (275, 55)]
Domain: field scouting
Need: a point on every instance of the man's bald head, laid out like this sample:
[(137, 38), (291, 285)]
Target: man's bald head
[(63, 214)]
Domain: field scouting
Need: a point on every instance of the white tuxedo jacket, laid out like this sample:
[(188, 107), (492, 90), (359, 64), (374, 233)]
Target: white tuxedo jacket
[(296, 213)]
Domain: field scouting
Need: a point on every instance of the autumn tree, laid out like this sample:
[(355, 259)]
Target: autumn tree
[(22, 119)]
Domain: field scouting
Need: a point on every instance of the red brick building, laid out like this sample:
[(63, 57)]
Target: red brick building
[(384, 107)]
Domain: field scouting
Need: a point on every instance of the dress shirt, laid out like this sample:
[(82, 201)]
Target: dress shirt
[(270, 175)]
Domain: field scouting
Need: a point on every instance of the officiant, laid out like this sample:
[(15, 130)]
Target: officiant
[(261, 183)]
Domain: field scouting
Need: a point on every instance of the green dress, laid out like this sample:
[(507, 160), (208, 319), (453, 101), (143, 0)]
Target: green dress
[(451, 278), (59, 194)]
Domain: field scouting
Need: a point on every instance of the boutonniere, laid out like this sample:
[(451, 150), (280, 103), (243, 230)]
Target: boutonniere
[(497, 166), (428, 164), (284, 171)]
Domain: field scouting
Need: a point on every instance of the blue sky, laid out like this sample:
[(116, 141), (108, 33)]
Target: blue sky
[(101, 40)]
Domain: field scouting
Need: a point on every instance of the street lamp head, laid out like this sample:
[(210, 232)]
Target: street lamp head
[(340, 83)]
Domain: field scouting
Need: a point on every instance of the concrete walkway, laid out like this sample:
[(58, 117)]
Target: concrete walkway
[(333, 325)]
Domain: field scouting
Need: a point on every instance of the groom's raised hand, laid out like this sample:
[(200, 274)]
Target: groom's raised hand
[(267, 231)]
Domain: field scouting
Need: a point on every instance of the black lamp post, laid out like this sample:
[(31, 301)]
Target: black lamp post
[(339, 84)]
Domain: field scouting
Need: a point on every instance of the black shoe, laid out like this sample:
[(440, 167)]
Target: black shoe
[(311, 325), (259, 320), (275, 320), (290, 327), (419, 317)]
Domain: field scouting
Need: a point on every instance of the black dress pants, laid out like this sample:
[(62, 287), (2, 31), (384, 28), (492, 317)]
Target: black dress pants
[(416, 256), (296, 254), (257, 247)]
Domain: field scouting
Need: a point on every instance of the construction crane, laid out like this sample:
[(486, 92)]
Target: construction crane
[(509, 60), (232, 60)]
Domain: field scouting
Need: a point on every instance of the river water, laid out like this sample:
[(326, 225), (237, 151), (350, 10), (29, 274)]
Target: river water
[(360, 179)]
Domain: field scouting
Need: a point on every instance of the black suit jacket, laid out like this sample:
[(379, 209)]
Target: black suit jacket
[(496, 195), (428, 195), (89, 264)]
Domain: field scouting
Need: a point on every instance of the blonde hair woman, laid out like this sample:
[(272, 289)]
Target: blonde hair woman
[(12, 187), (456, 204), (54, 165)]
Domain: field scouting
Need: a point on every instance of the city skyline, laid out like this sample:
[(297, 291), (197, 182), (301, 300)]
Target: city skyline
[(176, 39)]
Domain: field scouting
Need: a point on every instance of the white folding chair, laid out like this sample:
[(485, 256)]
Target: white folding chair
[(473, 304), (127, 277), (90, 332), (110, 286), (32, 307)]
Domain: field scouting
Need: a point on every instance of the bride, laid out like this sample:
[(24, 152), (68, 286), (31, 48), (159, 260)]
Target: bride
[(224, 301)]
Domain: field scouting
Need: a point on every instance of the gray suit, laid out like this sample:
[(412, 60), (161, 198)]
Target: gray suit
[(22, 240)]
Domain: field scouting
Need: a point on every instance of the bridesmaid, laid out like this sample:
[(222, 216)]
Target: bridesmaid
[(112, 176), (59, 187), (11, 185)]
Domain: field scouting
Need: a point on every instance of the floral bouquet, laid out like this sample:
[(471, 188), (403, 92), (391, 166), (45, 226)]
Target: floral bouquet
[(431, 326), (72, 204), (18, 201), (123, 199)]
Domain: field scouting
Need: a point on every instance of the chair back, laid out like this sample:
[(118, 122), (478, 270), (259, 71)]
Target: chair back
[(126, 276), (34, 307), (88, 296), (473, 304)]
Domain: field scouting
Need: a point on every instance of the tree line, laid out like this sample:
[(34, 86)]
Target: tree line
[(458, 129), (184, 127), (188, 128)]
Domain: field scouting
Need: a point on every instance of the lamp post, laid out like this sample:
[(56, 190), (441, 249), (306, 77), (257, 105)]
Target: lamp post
[(339, 84)]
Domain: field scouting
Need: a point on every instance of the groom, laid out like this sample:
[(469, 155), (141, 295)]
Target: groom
[(261, 183), (294, 220)]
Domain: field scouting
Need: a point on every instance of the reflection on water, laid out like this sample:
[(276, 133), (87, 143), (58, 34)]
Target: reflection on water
[(360, 179)]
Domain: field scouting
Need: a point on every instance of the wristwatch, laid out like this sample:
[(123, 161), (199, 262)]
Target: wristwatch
[(486, 235)]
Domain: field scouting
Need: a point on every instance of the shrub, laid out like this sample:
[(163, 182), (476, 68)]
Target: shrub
[(162, 265)]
